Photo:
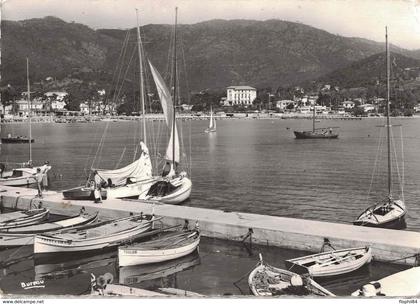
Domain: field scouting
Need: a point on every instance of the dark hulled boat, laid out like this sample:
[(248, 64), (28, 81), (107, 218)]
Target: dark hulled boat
[(16, 140), (317, 133)]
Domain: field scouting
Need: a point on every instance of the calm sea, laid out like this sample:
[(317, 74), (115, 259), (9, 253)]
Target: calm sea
[(248, 165)]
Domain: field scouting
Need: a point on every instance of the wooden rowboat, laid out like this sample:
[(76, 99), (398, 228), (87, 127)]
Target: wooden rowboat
[(401, 284), (331, 263), (97, 236), (266, 280), (22, 236), (22, 218), (171, 246)]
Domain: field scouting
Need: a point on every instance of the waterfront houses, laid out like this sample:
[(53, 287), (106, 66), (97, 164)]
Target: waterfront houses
[(241, 95)]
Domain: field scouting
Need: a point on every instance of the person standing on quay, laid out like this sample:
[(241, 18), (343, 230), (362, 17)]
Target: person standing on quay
[(39, 178)]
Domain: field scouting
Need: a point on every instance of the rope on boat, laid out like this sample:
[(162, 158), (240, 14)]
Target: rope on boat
[(402, 164), (396, 160), (378, 153)]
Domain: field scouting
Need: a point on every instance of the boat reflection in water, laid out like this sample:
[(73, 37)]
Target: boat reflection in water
[(153, 276), (53, 267)]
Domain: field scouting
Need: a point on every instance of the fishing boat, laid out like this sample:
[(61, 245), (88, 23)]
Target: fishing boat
[(317, 133), (97, 236), (27, 174), (212, 124), (331, 263), (16, 140), (266, 280), (168, 247), (401, 284), (390, 212), (21, 236), (173, 187), (22, 218)]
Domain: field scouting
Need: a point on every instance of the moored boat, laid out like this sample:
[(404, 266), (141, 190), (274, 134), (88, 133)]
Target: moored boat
[(401, 284), (327, 133), (331, 263), (22, 218), (25, 176), (21, 236), (212, 124), (170, 246), (83, 193), (16, 140), (97, 236), (267, 280)]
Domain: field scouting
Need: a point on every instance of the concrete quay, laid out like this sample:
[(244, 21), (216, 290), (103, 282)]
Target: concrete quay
[(395, 246)]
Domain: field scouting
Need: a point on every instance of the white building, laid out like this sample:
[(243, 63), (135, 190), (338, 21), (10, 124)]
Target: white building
[(283, 104), (241, 95), (367, 107), (84, 108), (348, 104), (58, 95)]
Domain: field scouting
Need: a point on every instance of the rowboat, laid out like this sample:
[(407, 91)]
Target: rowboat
[(401, 284), (84, 193), (130, 275), (168, 247), (22, 218), (21, 236), (103, 286), (97, 236), (331, 263), (16, 140), (266, 280)]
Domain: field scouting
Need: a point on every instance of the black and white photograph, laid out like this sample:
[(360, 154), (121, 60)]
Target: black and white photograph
[(213, 149)]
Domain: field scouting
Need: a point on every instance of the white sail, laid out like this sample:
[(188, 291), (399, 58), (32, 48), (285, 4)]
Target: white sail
[(140, 169), (211, 125), (167, 106)]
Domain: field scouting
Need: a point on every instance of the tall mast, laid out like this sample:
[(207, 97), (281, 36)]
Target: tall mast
[(313, 118), (175, 93), (142, 99), (29, 109), (387, 112)]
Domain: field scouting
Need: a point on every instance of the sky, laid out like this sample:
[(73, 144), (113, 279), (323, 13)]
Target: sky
[(351, 18)]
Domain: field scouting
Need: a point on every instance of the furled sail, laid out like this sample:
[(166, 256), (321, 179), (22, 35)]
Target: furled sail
[(138, 170), (167, 106)]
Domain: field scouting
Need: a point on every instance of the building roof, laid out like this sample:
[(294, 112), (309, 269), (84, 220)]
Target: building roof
[(241, 88)]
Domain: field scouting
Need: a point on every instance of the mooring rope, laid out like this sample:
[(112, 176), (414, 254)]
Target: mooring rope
[(378, 154)]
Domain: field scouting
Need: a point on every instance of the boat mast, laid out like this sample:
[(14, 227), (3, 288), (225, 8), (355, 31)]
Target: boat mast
[(388, 126), (29, 109), (142, 99), (174, 84), (313, 118)]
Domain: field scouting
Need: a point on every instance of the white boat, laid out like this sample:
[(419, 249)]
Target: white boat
[(266, 280), (391, 212), (168, 247), (173, 187), (212, 124), (22, 218), (22, 236), (98, 236), (103, 286), (401, 284), (331, 263), (27, 174)]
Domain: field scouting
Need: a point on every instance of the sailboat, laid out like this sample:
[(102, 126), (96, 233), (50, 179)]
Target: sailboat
[(391, 212), (212, 125), (172, 187), (131, 180), (326, 133), (26, 175)]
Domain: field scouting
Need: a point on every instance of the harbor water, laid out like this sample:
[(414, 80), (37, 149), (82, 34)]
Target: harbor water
[(248, 165)]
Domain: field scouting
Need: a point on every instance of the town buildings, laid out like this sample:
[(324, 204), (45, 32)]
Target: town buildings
[(241, 95)]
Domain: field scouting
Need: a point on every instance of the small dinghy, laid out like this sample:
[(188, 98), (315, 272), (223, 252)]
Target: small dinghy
[(25, 235), (84, 193), (96, 236), (400, 284), (22, 218), (331, 263), (103, 286), (266, 280), (167, 247)]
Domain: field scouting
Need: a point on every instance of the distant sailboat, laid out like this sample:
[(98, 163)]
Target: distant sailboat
[(391, 212), (212, 125), (318, 133)]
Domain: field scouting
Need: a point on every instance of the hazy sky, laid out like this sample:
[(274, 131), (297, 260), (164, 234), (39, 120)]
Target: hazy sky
[(360, 18)]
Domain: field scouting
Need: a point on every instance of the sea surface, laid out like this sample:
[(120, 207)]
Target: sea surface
[(248, 165)]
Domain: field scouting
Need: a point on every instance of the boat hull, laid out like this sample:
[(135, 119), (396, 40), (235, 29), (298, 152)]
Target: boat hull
[(16, 140), (129, 256), (375, 217), (210, 130), (130, 190), (28, 177), (51, 244), (314, 135), (82, 193), (33, 216), (182, 192), (333, 263)]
